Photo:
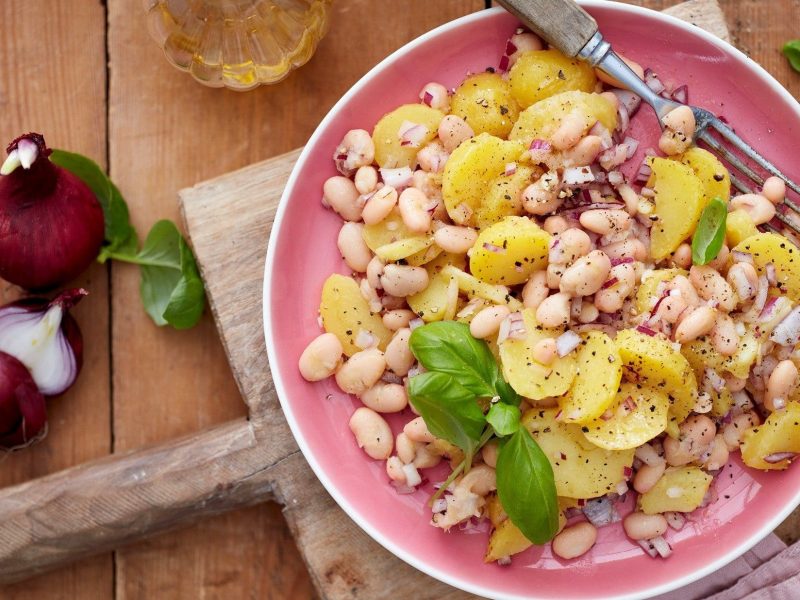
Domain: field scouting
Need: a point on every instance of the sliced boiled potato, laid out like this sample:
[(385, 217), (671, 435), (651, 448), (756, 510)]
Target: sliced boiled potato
[(345, 313), (485, 102), (504, 196), (712, 173), (647, 295), (638, 414), (540, 120), (438, 301), (581, 469), (391, 230), (599, 371), (652, 361), (394, 251), (424, 256), (470, 171), (680, 489), (701, 354), (506, 540), (679, 202), (539, 74), (390, 151), (475, 288), (528, 377), (509, 251), (774, 248), (778, 439), (739, 227)]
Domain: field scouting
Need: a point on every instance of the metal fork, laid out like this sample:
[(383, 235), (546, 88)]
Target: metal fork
[(566, 26)]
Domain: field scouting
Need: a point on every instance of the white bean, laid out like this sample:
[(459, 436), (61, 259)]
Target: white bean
[(398, 354), (774, 189), (380, 205), (710, 285), (760, 209), (682, 257), (781, 382), (366, 179), (719, 455), (535, 290), (455, 239), (361, 371), (486, 323), (639, 526), (570, 131), (394, 469), (679, 125), (555, 224), (743, 279), (436, 96), (351, 245), (724, 336), (406, 447), (589, 312), (733, 432), (554, 311), (413, 209), (453, 130), (417, 431), (321, 357), (427, 457), (586, 275), (610, 299), (584, 152), (398, 318), (606, 221), (568, 246), (355, 150), (489, 453), (697, 323), (372, 433), (647, 477), (545, 351), (432, 157), (402, 280), (575, 540), (541, 197), (385, 397), (342, 196), (630, 248)]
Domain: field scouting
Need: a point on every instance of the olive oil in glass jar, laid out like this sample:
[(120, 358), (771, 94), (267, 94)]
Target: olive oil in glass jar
[(238, 44)]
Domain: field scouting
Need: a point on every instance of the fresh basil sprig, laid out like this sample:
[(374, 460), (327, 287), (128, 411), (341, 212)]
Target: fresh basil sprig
[(710, 232), (526, 487), (448, 347), (171, 289), (791, 50), (460, 371)]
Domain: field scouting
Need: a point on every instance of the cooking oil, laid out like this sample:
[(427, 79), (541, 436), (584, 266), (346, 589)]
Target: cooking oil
[(238, 44)]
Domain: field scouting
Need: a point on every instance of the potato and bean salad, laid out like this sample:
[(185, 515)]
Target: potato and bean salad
[(520, 299)]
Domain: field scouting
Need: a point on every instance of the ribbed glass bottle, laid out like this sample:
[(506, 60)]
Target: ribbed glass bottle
[(238, 44)]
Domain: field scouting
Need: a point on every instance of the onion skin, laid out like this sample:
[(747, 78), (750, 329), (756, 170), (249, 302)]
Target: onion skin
[(23, 414), (51, 224)]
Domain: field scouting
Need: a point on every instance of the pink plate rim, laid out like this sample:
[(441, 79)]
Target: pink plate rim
[(280, 387)]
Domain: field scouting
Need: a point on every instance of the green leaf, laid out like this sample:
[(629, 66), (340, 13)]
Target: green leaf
[(449, 409), (448, 347), (504, 418), (791, 50), (120, 236), (710, 232), (171, 288), (526, 487)]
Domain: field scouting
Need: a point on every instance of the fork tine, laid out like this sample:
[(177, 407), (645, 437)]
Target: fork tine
[(728, 133), (786, 221), (731, 158), (737, 183)]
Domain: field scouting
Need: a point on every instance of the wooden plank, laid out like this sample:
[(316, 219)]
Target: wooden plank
[(53, 80), (168, 132)]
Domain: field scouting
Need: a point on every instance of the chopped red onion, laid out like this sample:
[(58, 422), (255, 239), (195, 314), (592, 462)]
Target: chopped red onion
[(512, 327), (622, 488), (621, 261), (402, 488), (493, 248), (630, 101), (648, 192), (389, 377), (629, 404), (631, 144), (675, 520), (644, 172), (616, 178), (399, 178), (439, 506), (504, 561), (681, 94), (511, 168), (710, 497), (609, 283), (744, 257), (470, 308), (600, 131), (365, 339), (412, 134), (577, 175), (653, 82), (627, 472), (623, 119), (413, 478), (538, 144), (414, 323), (779, 457), (661, 546), (645, 330), (504, 62), (760, 300), (787, 332), (769, 309), (613, 157), (717, 382), (427, 98), (771, 274), (567, 342), (601, 512), (647, 546)]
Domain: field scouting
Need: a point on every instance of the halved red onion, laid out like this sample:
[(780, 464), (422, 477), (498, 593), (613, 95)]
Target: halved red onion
[(567, 342), (777, 457), (412, 134), (681, 94), (577, 175), (398, 178), (739, 256), (787, 332), (23, 413)]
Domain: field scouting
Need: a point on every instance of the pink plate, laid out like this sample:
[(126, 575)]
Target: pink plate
[(302, 253)]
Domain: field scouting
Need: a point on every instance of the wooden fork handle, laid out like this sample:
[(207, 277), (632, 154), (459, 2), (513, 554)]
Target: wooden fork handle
[(561, 23)]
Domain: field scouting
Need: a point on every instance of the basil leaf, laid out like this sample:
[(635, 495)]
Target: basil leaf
[(791, 50), (120, 236), (526, 487), (171, 288), (449, 409), (448, 347), (504, 418), (710, 232)]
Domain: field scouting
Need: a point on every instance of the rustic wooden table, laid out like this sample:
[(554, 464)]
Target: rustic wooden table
[(86, 74)]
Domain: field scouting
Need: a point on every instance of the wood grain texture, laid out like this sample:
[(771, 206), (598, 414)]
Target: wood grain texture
[(168, 132), (57, 88), (561, 23)]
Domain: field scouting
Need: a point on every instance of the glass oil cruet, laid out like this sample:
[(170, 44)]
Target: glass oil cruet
[(238, 44)]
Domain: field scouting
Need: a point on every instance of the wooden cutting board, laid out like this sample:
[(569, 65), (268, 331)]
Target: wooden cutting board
[(119, 499)]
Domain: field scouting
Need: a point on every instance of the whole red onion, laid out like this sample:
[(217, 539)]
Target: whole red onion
[(51, 224), (22, 408)]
